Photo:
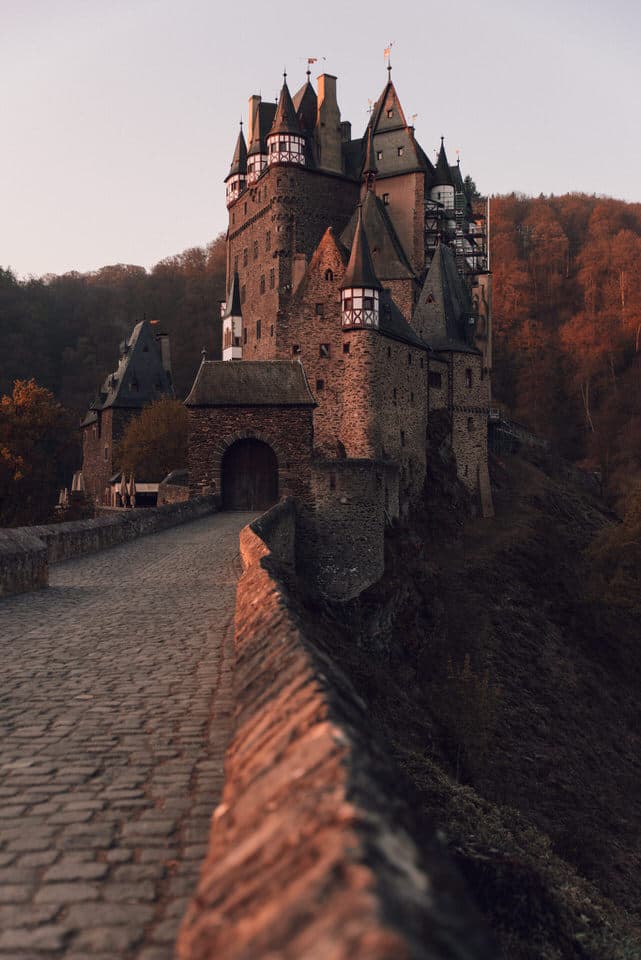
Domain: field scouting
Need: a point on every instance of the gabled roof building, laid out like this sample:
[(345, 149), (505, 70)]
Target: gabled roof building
[(364, 264)]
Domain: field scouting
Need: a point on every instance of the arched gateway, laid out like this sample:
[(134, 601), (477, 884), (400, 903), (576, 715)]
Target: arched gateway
[(249, 475)]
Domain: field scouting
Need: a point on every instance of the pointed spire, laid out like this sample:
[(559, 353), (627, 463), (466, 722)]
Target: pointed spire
[(370, 169), (239, 160), (232, 308), (285, 120), (360, 269), (442, 172)]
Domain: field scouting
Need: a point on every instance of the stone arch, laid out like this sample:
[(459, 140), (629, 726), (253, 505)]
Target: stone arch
[(249, 472)]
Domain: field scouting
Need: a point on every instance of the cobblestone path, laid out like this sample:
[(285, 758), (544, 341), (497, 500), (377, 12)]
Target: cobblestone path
[(114, 708)]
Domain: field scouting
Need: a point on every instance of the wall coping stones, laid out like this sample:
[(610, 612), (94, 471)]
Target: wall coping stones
[(313, 850)]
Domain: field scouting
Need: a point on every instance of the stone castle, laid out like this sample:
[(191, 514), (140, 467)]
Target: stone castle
[(358, 305), (358, 308)]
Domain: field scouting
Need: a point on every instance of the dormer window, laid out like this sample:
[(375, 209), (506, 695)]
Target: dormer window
[(379, 154), (329, 274), (390, 114), (400, 151), (386, 199)]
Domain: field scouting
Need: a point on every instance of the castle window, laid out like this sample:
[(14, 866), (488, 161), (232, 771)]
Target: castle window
[(255, 249), (468, 377), (346, 348), (390, 114), (422, 363), (262, 283), (278, 179), (368, 303), (402, 438), (271, 330), (347, 303), (394, 393), (400, 151), (386, 199), (271, 279), (379, 154), (245, 208), (389, 351), (434, 379), (329, 274), (244, 334), (233, 218), (320, 310), (235, 264), (412, 397), (324, 351), (470, 424), (268, 240), (320, 384), (106, 453), (244, 256), (242, 293), (258, 329), (296, 349), (409, 358)]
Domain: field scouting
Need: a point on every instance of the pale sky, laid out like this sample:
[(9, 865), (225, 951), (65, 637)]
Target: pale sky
[(119, 117)]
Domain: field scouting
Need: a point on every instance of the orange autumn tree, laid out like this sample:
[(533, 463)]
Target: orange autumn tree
[(155, 443), (36, 444)]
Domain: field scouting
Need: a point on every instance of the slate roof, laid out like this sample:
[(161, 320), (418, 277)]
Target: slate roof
[(360, 270), (239, 160), (139, 378), (250, 383), (285, 120), (232, 308), (388, 256), (444, 307), (306, 106), (393, 323), (369, 164), (442, 173), (263, 121)]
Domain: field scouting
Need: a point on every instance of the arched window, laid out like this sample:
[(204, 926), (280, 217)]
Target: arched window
[(329, 274)]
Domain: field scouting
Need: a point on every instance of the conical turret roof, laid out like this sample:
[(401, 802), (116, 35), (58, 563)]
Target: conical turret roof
[(232, 308), (442, 173), (285, 120), (239, 160), (369, 165), (360, 269), (305, 104)]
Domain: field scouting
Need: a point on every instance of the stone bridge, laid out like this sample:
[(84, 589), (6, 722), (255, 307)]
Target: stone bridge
[(114, 715)]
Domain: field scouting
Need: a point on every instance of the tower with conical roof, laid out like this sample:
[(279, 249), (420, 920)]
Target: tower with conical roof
[(232, 318), (285, 141), (360, 289), (236, 179)]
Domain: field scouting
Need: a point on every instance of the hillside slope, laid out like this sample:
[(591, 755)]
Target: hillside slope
[(510, 698)]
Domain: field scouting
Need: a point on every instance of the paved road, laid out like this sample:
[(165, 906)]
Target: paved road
[(114, 707)]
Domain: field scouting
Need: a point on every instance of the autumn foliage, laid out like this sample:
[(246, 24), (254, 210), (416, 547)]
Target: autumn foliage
[(567, 327), (36, 446), (155, 443)]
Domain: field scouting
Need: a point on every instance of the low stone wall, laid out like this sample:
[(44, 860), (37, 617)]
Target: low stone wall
[(25, 551), (313, 850), (23, 562)]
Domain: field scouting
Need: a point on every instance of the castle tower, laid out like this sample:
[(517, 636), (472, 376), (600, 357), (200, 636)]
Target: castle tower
[(233, 324), (328, 126), (261, 117), (236, 179), (285, 141), (360, 289)]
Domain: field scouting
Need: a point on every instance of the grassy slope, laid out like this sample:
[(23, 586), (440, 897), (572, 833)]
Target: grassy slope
[(529, 762)]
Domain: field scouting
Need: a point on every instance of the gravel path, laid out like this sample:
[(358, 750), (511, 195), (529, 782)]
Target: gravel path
[(114, 714)]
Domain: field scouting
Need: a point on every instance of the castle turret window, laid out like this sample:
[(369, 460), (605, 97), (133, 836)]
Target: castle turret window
[(400, 151), (320, 309), (329, 274), (262, 283), (244, 256), (320, 384), (323, 351), (390, 114), (386, 199), (379, 154), (255, 249), (346, 347), (286, 148), (468, 377), (296, 349), (360, 307)]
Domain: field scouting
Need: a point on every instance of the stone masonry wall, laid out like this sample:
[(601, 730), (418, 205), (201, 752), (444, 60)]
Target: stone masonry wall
[(25, 552), (315, 850), (98, 442), (287, 430), (470, 425)]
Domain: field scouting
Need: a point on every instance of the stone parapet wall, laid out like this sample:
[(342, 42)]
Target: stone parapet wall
[(313, 850), (23, 562), (26, 551)]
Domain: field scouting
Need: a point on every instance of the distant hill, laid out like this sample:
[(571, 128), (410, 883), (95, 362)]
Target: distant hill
[(567, 327)]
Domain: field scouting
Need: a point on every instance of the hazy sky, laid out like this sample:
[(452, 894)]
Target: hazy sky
[(119, 117)]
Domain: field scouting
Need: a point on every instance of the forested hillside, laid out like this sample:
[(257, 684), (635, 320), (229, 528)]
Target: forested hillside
[(64, 331), (567, 326)]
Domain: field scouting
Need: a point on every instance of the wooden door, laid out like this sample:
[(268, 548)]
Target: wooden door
[(249, 476)]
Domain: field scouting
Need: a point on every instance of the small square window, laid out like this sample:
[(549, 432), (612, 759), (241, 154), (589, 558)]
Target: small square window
[(320, 310), (296, 349), (386, 199), (379, 154), (390, 114), (320, 384), (346, 348), (400, 151), (324, 350)]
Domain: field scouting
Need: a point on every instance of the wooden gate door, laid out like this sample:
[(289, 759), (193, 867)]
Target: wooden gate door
[(249, 476)]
